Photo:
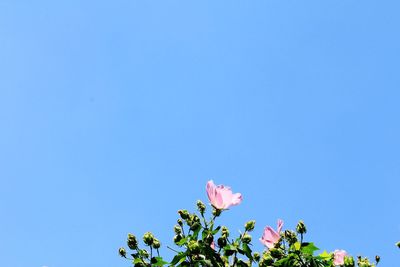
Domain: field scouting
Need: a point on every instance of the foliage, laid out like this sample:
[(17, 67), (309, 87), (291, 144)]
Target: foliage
[(201, 242)]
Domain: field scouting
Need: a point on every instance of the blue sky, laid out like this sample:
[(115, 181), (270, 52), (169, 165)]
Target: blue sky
[(114, 115)]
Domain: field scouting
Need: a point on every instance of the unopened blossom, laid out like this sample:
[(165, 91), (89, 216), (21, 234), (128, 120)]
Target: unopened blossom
[(338, 257), (221, 197), (270, 237)]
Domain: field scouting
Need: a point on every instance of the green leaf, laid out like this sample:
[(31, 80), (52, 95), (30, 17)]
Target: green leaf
[(230, 247), (178, 258), (286, 262), (216, 230), (325, 255), (195, 234), (158, 261), (182, 242), (308, 248), (137, 260), (247, 251)]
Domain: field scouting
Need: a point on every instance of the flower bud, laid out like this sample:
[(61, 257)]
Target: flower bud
[(217, 212), (139, 264), (256, 256), (184, 214), (144, 253), (194, 247), (195, 226), (301, 228), (266, 260), (290, 236), (195, 218), (132, 242), (349, 261), (275, 253), (122, 252), (225, 231), (201, 206), (209, 239), (229, 252), (249, 226), (156, 243), (221, 242), (246, 238), (377, 259), (148, 238), (179, 221), (398, 244), (177, 229), (177, 238)]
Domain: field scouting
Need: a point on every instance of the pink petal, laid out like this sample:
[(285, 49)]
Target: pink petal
[(280, 225), (218, 200), (221, 197), (237, 199), (210, 188), (339, 257), (270, 236), (267, 243)]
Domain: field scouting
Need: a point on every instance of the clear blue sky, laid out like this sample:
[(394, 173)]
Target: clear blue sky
[(114, 114)]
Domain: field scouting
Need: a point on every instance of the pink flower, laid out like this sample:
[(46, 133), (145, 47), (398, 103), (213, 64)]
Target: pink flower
[(212, 245), (221, 197), (270, 237), (338, 257)]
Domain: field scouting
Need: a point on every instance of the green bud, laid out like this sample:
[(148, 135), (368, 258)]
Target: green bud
[(221, 242), (266, 260), (144, 253), (194, 218), (249, 226), (201, 206), (301, 228), (148, 238), (122, 252), (275, 253), (156, 243), (225, 231), (246, 238), (229, 252), (139, 264), (263, 263), (290, 236), (179, 221), (177, 238), (363, 262), (177, 229), (256, 256), (184, 214), (194, 247), (398, 244), (195, 226), (209, 239), (132, 242), (377, 259), (217, 212), (349, 261)]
